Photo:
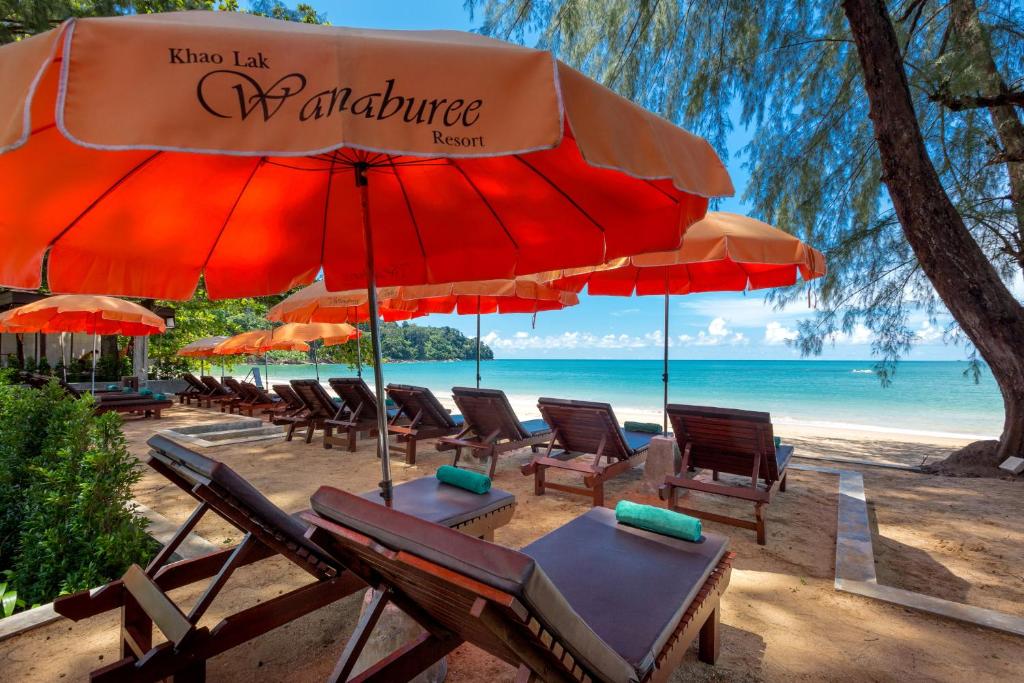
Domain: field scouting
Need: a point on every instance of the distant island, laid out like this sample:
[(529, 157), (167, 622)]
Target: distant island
[(408, 341)]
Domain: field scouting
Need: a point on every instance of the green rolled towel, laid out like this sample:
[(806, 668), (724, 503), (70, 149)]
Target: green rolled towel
[(645, 427), (112, 387), (389, 403), (658, 520), (778, 441), (464, 479), (145, 392), (160, 397)]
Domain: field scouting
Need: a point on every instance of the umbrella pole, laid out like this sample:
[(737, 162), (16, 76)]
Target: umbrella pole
[(664, 376), (359, 355), (478, 342), (316, 364), (266, 371), (378, 372), (95, 340), (63, 362)]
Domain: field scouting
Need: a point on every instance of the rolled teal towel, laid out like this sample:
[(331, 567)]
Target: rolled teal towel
[(464, 479), (778, 441), (126, 390), (658, 520), (145, 392), (644, 427), (160, 397), (112, 387)]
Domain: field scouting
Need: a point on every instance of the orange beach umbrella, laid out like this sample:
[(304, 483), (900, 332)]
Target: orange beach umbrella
[(723, 252), (170, 146), (202, 349), (88, 314)]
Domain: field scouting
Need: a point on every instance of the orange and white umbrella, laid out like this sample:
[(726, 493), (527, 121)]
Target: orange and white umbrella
[(88, 314), (202, 349), (519, 295), (220, 144), (290, 337), (723, 252)]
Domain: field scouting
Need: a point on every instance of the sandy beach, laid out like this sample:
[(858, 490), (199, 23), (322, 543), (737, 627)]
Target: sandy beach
[(782, 618)]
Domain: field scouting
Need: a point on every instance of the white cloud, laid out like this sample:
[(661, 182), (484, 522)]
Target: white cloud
[(860, 336), (624, 311), (929, 334), (717, 328), (521, 341), (776, 333)]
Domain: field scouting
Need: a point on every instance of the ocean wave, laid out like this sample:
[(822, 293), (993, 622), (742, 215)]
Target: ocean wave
[(862, 372)]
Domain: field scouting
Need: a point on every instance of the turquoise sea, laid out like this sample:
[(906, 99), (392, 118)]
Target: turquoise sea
[(926, 396)]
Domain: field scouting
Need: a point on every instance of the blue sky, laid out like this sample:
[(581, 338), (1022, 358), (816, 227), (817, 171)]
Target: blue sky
[(703, 326)]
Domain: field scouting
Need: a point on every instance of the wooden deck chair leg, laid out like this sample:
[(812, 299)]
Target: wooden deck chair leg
[(714, 475), (709, 643), (136, 629), (328, 430), (291, 431), (309, 432), (493, 454), (361, 634), (598, 489), (782, 484), (353, 436), (410, 451), (761, 531), (538, 479)]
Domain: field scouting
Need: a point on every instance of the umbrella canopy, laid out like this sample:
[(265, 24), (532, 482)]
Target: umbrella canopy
[(85, 314), (201, 348), (219, 144), (257, 341), (315, 304), (7, 326), (474, 149), (722, 252), (331, 334)]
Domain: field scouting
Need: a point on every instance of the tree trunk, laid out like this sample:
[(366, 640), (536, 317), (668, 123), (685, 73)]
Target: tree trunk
[(962, 276), (108, 349), (19, 350)]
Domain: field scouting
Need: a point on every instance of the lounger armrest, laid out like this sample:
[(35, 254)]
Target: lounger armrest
[(402, 430), (456, 442)]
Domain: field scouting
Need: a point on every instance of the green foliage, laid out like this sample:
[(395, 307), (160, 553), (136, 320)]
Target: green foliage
[(66, 521), (789, 72), (407, 341)]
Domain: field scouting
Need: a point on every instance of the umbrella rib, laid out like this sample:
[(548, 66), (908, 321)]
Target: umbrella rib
[(667, 194), (234, 205), (103, 195), (408, 206), (327, 206), (483, 199), (561, 192)]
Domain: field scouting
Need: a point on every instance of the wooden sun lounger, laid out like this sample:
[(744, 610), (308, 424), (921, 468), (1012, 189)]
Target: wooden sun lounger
[(427, 418), (591, 601), (256, 398), (490, 427), (194, 390), (143, 406), (361, 406), (319, 408), (238, 395), (293, 405), (578, 428), (738, 442), (218, 393), (142, 594)]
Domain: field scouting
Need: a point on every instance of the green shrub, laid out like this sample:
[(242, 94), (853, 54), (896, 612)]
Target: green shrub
[(66, 521)]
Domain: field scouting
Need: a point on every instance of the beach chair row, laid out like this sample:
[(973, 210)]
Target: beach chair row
[(719, 440), (429, 555)]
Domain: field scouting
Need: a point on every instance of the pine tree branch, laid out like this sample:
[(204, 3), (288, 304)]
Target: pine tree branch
[(1013, 97)]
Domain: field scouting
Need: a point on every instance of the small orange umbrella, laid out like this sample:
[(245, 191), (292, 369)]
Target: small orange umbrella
[(202, 348), (723, 252), (87, 314), (290, 337), (331, 334)]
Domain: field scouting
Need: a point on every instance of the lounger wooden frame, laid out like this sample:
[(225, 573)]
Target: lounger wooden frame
[(580, 427), (490, 427), (194, 390), (218, 393), (293, 405), (141, 595), (319, 408), (427, 418), (453, 608), (255, 398), (739, 442), (362, 413)]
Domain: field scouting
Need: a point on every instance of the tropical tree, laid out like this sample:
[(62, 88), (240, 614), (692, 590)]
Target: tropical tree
[(888, 134)]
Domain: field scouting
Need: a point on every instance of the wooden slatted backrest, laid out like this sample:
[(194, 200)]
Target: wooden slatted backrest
[(233, 498), (289, 396), (354, 393), (315, 399), (194, 382), (487, 411), (234, 385), (415, 401), (582, 425), (258, 394), (726, 440), (214, 386)]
